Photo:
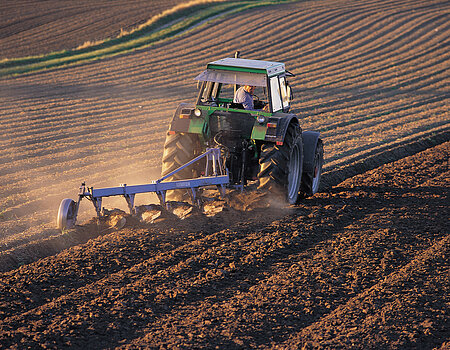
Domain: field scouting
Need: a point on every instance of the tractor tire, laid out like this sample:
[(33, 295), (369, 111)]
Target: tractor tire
[(281, 165), (179, 149), (311, 180)]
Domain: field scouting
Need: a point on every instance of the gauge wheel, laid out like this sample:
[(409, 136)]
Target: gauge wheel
[(67, 214)]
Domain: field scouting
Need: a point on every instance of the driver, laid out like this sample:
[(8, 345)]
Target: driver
[(244, 95)]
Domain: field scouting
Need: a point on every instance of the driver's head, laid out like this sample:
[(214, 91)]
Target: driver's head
[(250, 89)]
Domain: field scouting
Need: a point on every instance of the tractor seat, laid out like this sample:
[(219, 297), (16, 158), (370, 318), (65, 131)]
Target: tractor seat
[(236, 105)]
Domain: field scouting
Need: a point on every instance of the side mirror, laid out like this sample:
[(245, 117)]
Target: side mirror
[(290, 95)]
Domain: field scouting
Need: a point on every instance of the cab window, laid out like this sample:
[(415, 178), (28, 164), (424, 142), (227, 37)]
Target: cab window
[(275, 94), (284, 94)]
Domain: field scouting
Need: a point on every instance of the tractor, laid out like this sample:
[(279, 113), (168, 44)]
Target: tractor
[(265, 145)]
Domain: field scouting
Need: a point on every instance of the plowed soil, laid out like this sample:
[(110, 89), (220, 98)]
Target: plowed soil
[(362, 264), (34, 27)]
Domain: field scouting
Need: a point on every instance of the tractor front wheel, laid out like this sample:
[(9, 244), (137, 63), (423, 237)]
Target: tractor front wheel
[(311, 180)]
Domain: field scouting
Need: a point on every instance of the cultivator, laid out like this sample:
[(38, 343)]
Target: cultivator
[(215, 175)]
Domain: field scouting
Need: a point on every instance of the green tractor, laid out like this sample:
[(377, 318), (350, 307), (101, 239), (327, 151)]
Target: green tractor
[(264, 145)]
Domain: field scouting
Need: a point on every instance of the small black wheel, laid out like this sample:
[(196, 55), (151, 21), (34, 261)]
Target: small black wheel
[(179, 149), (281, 165), (311, 180), (67, 214)]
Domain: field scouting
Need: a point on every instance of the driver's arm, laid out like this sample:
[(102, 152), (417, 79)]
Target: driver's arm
[(248, 103)]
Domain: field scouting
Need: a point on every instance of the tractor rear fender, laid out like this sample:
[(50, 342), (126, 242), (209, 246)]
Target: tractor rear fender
[(310, 139), (283, 122), (185, 121)]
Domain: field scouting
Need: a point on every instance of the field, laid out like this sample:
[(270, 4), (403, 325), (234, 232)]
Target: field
[(363, 264), (34, 28)]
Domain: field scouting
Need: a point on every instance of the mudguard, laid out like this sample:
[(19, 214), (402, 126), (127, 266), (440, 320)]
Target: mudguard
[(184, 120), (283, 120), (310, 139)]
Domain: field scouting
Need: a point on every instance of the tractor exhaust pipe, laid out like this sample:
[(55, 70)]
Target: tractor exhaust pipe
[(236, 55)]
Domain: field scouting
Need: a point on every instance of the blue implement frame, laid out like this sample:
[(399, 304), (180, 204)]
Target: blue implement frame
[(215, 175)]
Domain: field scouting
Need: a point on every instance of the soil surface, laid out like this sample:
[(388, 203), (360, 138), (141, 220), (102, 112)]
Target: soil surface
[(362, 264)]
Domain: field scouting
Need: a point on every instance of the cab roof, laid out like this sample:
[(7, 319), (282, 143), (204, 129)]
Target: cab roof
[(250, 66)]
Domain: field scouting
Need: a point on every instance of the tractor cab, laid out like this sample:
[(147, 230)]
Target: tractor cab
[(214, 115), (221, 79)]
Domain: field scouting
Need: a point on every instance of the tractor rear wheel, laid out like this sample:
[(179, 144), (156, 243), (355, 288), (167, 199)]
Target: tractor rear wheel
[(281, 165), (311, 180), (179, 149)]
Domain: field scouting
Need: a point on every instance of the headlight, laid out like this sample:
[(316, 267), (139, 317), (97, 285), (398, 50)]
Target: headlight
[(197, 112), (261, 119)]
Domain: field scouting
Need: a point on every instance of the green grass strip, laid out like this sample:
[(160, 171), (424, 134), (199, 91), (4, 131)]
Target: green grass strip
[(185, 19)]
